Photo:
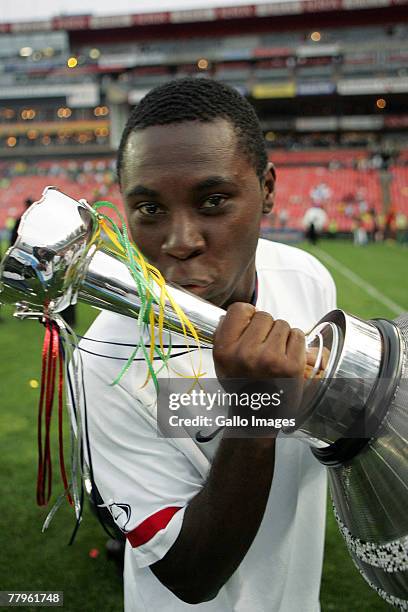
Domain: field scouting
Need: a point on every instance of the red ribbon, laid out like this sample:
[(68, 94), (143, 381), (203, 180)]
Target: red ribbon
[(51, 355)]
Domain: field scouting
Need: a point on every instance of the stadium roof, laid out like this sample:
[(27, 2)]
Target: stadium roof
[(209, 13)]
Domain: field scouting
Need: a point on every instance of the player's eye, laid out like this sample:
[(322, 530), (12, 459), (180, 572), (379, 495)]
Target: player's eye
[(213, 201), (149, 209)]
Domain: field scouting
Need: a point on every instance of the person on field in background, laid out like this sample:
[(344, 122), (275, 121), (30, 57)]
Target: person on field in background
[(14, 231), (314, 221)]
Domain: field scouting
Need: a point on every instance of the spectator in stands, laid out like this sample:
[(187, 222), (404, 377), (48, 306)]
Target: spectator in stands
[(389, 226), (360, 236), (283, 217), (320, 194), (377, 161), (349, 210), (374, 228), (401, 225), (362, 205), (209, 520), (332, 228)]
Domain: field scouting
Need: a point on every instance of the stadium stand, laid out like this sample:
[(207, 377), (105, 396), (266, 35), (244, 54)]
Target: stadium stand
[(347, 192)]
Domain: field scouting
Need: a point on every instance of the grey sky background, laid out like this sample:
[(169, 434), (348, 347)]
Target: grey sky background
[(27, 10)]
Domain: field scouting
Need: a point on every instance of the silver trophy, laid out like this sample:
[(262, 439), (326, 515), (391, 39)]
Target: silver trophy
[(354, 419)]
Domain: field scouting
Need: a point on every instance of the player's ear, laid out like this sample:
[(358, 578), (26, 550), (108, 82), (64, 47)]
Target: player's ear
[(269, 188)]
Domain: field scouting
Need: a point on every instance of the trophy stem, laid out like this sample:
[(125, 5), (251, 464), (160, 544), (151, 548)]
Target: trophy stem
[(109, 285)]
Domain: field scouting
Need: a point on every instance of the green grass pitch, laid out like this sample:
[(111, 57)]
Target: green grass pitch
[(30, 560)]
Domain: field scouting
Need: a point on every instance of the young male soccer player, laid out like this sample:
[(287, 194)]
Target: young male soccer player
[(225, 524)]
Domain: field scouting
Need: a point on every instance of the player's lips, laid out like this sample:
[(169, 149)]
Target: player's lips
[(193, 285), (188, 281)]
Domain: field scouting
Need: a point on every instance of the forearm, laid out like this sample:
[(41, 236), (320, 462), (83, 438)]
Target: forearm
[(220, 522)]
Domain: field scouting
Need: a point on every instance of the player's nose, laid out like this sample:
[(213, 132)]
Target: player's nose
[(184, 238)]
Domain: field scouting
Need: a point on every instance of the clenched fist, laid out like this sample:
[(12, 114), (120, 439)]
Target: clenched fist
[(250, 344), (259, 357)]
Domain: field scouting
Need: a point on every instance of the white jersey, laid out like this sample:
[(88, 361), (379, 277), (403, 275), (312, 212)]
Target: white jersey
[(147, 481)]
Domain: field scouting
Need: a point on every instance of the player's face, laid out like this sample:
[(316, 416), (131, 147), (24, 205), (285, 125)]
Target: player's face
[(194, 205)]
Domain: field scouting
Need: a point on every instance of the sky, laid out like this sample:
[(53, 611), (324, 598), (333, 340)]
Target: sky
[(27, 10)]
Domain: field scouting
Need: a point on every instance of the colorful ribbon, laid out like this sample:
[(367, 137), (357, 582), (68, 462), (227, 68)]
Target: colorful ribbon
[(52, 360)]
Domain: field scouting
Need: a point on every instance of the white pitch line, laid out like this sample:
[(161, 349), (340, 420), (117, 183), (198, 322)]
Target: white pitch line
[(360, 282)]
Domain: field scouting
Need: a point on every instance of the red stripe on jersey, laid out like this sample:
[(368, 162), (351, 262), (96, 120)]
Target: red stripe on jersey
[(150, 526)]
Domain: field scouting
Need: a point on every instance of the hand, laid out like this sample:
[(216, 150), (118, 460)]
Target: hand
[(255, 356), (250, 344)]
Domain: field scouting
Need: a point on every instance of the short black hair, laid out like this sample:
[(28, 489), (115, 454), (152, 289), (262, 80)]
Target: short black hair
[(204, 100)]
